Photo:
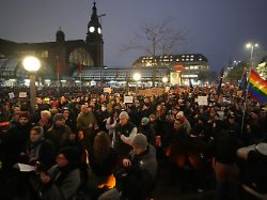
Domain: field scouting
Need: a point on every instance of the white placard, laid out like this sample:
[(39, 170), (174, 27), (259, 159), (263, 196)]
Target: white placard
[(11, 95), (26, 168), (202, 100), (22, 94), (128, 99)]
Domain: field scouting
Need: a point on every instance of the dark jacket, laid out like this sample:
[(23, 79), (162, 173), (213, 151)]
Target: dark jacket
[(43, 152), (58, 135), (64, 185), (138, 181), (121, 148)]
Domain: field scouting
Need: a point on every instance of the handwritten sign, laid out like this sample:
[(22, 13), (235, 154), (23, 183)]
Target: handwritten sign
[(128, 99), (22, 94), (202, 100)]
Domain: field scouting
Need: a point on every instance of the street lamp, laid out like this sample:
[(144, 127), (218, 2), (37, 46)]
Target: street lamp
[(250, 46), (136, 77), (165, 80), (32, 64)]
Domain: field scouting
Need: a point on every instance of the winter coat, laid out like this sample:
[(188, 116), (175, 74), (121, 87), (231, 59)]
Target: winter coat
[(63, 186)]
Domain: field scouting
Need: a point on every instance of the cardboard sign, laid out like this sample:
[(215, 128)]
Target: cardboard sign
[(128, 99), (151, 92), (11, 95), (107, 90), (22, 94), (202, 100)]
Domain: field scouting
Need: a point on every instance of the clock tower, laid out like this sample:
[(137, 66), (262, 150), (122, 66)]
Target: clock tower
[(94, 38)]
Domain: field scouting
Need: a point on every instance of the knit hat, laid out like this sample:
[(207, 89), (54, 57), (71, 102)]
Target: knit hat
[(144, 121), (58, 116), (140, 140)]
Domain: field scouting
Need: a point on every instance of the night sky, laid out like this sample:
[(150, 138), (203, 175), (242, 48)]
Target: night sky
[(216, 28)]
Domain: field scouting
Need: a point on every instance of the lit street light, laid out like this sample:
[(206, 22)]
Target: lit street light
[(251, 47), (32, 64), (165, 80), (136, 77)]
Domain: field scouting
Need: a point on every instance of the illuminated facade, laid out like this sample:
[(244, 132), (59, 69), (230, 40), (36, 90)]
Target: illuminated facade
[(183, 67)]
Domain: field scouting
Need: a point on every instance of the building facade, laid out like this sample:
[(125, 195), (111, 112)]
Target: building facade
[(60, 58)]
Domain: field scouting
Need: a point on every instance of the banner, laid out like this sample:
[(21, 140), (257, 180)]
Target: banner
[(151, 92)]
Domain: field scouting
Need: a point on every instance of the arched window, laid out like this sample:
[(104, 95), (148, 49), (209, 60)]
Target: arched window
[(80, 56)]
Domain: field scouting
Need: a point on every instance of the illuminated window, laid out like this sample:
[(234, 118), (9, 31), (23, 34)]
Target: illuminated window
[(191, 59), (177, 60), (192, 56), (200, 59), (183, 56)]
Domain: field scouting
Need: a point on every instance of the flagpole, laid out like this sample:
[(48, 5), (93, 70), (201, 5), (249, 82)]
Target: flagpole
[(251, 47)]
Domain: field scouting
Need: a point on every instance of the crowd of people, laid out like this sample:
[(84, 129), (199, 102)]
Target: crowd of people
[(92, 145)]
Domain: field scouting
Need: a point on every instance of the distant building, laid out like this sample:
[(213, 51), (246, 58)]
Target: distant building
[(182, 67), (60, 58)]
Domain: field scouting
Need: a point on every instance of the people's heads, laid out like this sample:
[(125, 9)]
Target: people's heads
[(81, 135), (101, 146), (180, 117), (123, 117), (66, 113), (45, 114), (16, 113), (139, 143), (103, 107), (102, 140), (59, 120), (36, 133), (152, 118), (68, 156), (84, 109), (144, 121), (24, 118)]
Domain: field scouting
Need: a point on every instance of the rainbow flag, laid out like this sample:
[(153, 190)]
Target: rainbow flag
[(257, 87)]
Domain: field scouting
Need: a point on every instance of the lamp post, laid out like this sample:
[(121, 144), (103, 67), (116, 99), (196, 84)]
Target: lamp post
[(251, 46), (32, 64), (137, 77)]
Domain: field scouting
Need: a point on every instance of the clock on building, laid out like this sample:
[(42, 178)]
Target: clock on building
[(99, 30), (91, 29)]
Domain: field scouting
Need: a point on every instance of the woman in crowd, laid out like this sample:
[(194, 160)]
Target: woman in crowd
[(102, 161)]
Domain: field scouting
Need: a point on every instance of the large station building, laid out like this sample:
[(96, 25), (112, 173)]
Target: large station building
[(82, 60)]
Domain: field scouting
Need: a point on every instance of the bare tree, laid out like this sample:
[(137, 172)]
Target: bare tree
[(157, 39)]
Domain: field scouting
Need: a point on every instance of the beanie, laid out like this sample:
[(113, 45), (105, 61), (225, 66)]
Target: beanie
[(140, 140), (145, 121)]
